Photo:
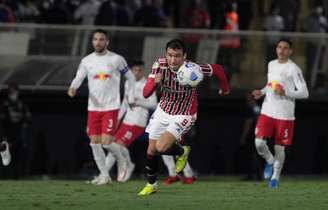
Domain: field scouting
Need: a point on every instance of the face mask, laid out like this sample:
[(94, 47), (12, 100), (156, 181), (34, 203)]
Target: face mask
[(13, 96)]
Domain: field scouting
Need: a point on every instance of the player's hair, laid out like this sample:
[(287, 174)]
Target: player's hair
[(101, 31), (176, 44), (288, 41), (137, 63)]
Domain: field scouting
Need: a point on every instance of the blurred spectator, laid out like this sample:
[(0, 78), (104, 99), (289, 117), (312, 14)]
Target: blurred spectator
[(15, 118), (273, 23), (27, 11), (150, 14), (6, 14), (123, 15), (172, 9), (216, 9), (195, 16), (229, 44), (56, 13), (105, 14), (87, 12), (245, 13), (289, 12), (316, 22)]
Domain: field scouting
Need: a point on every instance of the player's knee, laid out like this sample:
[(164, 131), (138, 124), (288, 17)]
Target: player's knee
[(260, 145), (161, 148)]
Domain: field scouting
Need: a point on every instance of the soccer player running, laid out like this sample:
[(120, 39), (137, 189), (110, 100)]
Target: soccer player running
[(176, 112), (285, 84), (135, 118), (103, 69)]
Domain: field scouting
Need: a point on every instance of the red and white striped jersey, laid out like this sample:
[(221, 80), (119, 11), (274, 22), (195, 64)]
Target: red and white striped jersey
[(177, 99)]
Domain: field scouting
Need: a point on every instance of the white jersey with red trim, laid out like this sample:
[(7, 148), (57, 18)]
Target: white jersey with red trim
[(138, 114), (289, 76), (104, 75)]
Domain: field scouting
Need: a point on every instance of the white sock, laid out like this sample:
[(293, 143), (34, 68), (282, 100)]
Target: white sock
[(187, 171), (110, 161), (115, 149), (170, 164), (279, 159), (263, 150), (126, 154), (99, 156)]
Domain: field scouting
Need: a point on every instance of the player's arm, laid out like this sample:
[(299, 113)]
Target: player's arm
[(301, 90), (77, 81), (217, 71), (124, 105), (154, 79), (148, 103), (130, 79)]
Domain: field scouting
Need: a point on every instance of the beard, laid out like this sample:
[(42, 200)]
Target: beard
[(100, 49)]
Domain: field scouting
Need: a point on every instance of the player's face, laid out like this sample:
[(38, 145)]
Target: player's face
[(283, 51), (99, 42), (138, 72), (175, 58)]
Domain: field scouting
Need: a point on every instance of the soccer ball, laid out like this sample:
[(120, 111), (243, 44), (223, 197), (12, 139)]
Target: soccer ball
[(189, 74)]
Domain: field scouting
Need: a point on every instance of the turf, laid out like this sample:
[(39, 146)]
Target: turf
[(204, 194)]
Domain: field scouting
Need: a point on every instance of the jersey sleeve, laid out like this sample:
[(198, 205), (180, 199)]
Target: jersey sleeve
[(150, 85), (217, 71), (80, 76), (300, 91), (122, 65)]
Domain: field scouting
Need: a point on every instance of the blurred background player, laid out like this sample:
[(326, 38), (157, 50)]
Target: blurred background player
[(103, 70), (5, 153), (188, 173), (285, 84), (176, 112), (135, 118), (15, 118)]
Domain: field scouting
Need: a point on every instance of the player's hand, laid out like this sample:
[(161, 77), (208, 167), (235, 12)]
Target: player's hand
[(221, 93), (71, 92), (257, 94), (279, 90), (158, 78)]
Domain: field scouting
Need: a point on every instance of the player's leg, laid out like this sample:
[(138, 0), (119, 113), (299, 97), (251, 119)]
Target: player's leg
[(125, 136), (189, 175), (170, 165), (168, 145), (108, 128), (156, 126), (5, 153), (94, 131), (284, 136), (151, 168), (264, 129), (179, 125), (278, 164)]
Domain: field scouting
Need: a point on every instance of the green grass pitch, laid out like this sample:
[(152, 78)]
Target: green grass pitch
[(204, 194)]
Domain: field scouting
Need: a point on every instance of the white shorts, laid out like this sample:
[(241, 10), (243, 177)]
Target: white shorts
[(177, 125)]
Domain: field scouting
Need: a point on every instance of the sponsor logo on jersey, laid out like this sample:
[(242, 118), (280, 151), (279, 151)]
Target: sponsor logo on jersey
[(102, 76)]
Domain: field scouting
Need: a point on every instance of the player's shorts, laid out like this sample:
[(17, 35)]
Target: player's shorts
[(281, 130), (104, 122), (128, 133), (177, 125)]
